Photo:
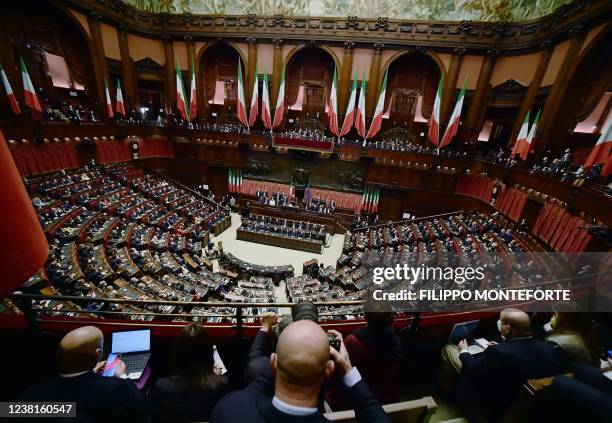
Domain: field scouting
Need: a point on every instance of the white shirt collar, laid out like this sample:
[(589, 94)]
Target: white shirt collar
[(69, 375), (292, 409)]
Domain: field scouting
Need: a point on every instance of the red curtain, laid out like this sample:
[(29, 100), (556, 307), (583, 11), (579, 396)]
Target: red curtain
[(511, 202), (20, 161), (155, 146), (113, 151), (561, 230), (477, 186), (44, 158), (250, 187), (344, 200)]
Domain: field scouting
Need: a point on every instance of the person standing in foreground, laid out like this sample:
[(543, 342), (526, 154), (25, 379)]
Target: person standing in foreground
[(303, 361)]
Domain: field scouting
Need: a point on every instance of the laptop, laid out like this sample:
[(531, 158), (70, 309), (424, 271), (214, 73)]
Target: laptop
[(465, 331), (134, 347)]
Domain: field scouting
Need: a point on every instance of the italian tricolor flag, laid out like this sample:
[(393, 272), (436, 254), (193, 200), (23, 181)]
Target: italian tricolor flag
[(9, 92), (530, 137), (349, 116), (234, 180), (370, 200), (181, 98), (375, 197), (364, 199), (120, 105), (332, 106), (230, 180), (521, 139), (109, 103), (31, 100), (453, 123), (379, 111), (240, 103), (254, 100), (193, 99), (280, 102), (602, 152), (265, 103), (434, 121), (360, 115)]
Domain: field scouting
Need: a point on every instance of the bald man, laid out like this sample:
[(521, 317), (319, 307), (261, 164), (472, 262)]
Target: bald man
[(98, 398), (491, 380), (303, 361)]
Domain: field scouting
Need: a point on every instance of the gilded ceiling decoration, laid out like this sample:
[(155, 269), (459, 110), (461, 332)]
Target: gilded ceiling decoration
[(440, 10)]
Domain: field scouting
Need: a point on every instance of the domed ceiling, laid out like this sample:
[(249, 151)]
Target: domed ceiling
[(440, 10)]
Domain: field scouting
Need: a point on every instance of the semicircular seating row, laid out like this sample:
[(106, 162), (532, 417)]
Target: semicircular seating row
[(118, 232)]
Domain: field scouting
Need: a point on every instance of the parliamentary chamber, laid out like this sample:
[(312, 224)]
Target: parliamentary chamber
[(503, 67)]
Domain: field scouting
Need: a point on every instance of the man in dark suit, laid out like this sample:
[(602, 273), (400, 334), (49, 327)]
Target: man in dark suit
[(98, 398), (303, 361), (491, 380), (587, 396), (258, 360)]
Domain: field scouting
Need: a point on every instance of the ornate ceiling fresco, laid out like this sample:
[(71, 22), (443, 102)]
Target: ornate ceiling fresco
[(440, 10)]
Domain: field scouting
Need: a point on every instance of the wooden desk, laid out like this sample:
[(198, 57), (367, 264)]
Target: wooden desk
[(283, 212), (307, 245), (221, 226), (190, 261)]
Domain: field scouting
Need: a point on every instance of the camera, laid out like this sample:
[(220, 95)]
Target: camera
[(333, 341), (308, 311), (305, 311)]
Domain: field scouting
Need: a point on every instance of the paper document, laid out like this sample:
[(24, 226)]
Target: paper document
[(218, 362)]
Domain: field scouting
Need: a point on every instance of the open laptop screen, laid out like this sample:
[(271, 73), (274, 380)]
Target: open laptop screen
[(463, 330), (131, 341)]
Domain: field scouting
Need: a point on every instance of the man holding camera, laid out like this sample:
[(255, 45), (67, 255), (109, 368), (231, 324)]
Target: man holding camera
[(303, 361)]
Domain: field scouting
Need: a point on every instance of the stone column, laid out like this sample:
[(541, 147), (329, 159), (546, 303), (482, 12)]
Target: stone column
[(277, 68), (534, 86), (192, 69), (130, 83), (473, 121), (190, 54), (344, 75), (251, 67), (99, 61), (170, 74), (450, 83), (551, 108), (374, 80)]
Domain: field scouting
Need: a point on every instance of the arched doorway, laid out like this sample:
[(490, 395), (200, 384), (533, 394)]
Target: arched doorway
[(219, 76), (412, 83), (591, 80), (308, 78), (55, 51)]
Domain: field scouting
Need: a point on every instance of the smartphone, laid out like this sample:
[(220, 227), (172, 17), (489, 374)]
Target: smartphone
[(111, 365)]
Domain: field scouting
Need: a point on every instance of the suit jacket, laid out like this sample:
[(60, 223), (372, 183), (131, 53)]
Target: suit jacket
[(173, 400), (496, 375), (258, 360), (587, 397), (254, 403), (377, 355), (99, 399)]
